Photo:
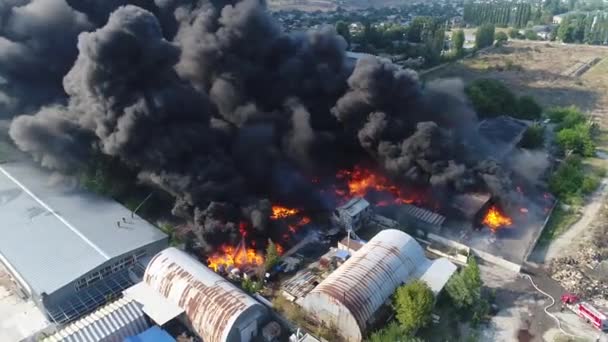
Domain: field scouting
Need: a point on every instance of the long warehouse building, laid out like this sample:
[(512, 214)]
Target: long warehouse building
[(68, 249)]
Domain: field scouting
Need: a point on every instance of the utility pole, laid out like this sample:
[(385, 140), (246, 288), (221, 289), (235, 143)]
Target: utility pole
[(140, 204)]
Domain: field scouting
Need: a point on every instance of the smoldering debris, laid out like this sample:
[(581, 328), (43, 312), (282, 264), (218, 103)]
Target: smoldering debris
[(212, 102)]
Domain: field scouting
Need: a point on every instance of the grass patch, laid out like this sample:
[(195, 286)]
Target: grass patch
[(561, 219), (600, 69)]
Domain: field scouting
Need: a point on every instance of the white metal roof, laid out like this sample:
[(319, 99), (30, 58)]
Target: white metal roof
[(53, 233), (113, 322), (160, 309)]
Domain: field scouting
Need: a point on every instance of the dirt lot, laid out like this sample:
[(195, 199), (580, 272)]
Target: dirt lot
[(540, 69)]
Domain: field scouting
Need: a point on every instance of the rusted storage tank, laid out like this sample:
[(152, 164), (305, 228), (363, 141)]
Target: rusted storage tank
[(217, 310), (349, 297)]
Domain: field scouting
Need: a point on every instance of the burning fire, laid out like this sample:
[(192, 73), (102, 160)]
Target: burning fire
[(230, 256), (495, 219), (279, 212), (361, 181)]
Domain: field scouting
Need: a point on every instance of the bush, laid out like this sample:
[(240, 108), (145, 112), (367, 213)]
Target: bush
[(569, 182), (590, 184), (413, 305), (576, 139), (491, 98), (513, 33), (565, 117), (528, 108), (501, 38), (530, 35), (391, 333), (534, 137)]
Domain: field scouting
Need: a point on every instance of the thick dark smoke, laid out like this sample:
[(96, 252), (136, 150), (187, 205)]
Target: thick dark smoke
[(212, 102)]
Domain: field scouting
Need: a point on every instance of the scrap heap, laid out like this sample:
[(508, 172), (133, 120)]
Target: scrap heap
[(576, 273)]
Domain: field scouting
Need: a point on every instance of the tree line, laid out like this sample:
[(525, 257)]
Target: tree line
[(501, 14), (423, 37), (588, 28)]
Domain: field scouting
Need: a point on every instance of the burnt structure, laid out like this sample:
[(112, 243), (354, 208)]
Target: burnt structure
[(471, 206), (353, 215), (504, 133)]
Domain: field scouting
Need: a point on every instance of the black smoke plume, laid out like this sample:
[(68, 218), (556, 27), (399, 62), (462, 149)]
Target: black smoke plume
[(212, 102)]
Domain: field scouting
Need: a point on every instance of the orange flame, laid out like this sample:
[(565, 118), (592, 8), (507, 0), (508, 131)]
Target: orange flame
[(239, 256), (279, 212), (495, 219), (360, 181)]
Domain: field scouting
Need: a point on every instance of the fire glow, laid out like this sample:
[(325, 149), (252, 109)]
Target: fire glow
[(360, 181), (230, 256), (495, 219), (279, 212), (240, 256)]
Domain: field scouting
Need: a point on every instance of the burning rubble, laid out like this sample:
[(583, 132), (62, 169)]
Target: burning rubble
[(213, 103), (495, 219)]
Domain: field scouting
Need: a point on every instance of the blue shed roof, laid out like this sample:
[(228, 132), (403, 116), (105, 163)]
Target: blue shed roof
[(154, 334)]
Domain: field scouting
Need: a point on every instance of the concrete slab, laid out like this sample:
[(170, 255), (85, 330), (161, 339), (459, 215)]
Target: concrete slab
[(20, 317)]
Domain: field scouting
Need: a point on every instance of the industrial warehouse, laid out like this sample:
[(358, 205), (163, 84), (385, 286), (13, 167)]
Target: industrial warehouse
[(67, 250), (350, 297)]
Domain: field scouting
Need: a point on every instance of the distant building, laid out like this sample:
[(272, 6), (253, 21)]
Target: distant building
[(353, 215), (350, 297), (177, 285), (69, 250)]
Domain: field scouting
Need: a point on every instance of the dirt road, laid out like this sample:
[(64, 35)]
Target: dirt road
[(568, 242)]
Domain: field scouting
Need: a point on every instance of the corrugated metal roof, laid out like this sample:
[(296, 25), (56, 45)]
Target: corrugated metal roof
[(366, 280), (354, 206), (213, 305), (422, 214), (53, 233), (113, 322)]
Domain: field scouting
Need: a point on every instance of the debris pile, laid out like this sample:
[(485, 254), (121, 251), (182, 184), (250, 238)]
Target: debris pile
[(573, 273)]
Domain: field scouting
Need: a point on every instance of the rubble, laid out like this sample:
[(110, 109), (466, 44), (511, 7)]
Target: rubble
[(573, 273)]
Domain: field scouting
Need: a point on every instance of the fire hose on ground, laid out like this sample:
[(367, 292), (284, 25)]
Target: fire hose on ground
[(559, 324)]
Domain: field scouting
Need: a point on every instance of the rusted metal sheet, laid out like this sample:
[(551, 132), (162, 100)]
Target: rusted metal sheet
[(365, 281), (211, 303)]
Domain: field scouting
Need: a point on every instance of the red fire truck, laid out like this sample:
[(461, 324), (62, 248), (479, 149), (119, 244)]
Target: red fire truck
[(586, 311)]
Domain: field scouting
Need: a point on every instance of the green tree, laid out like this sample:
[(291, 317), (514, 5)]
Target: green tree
[(566, 183), (484, 36), (577, 139), (464, 288), (566, 32), (534, 137), (392, 333), (414, 32), (413, 305), (491, 98), (501, 38), (458, 42), (343, 30), (272, 255), (528, 108)]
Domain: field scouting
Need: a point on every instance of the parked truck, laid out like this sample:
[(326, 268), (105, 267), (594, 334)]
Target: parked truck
[(586, 311)]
